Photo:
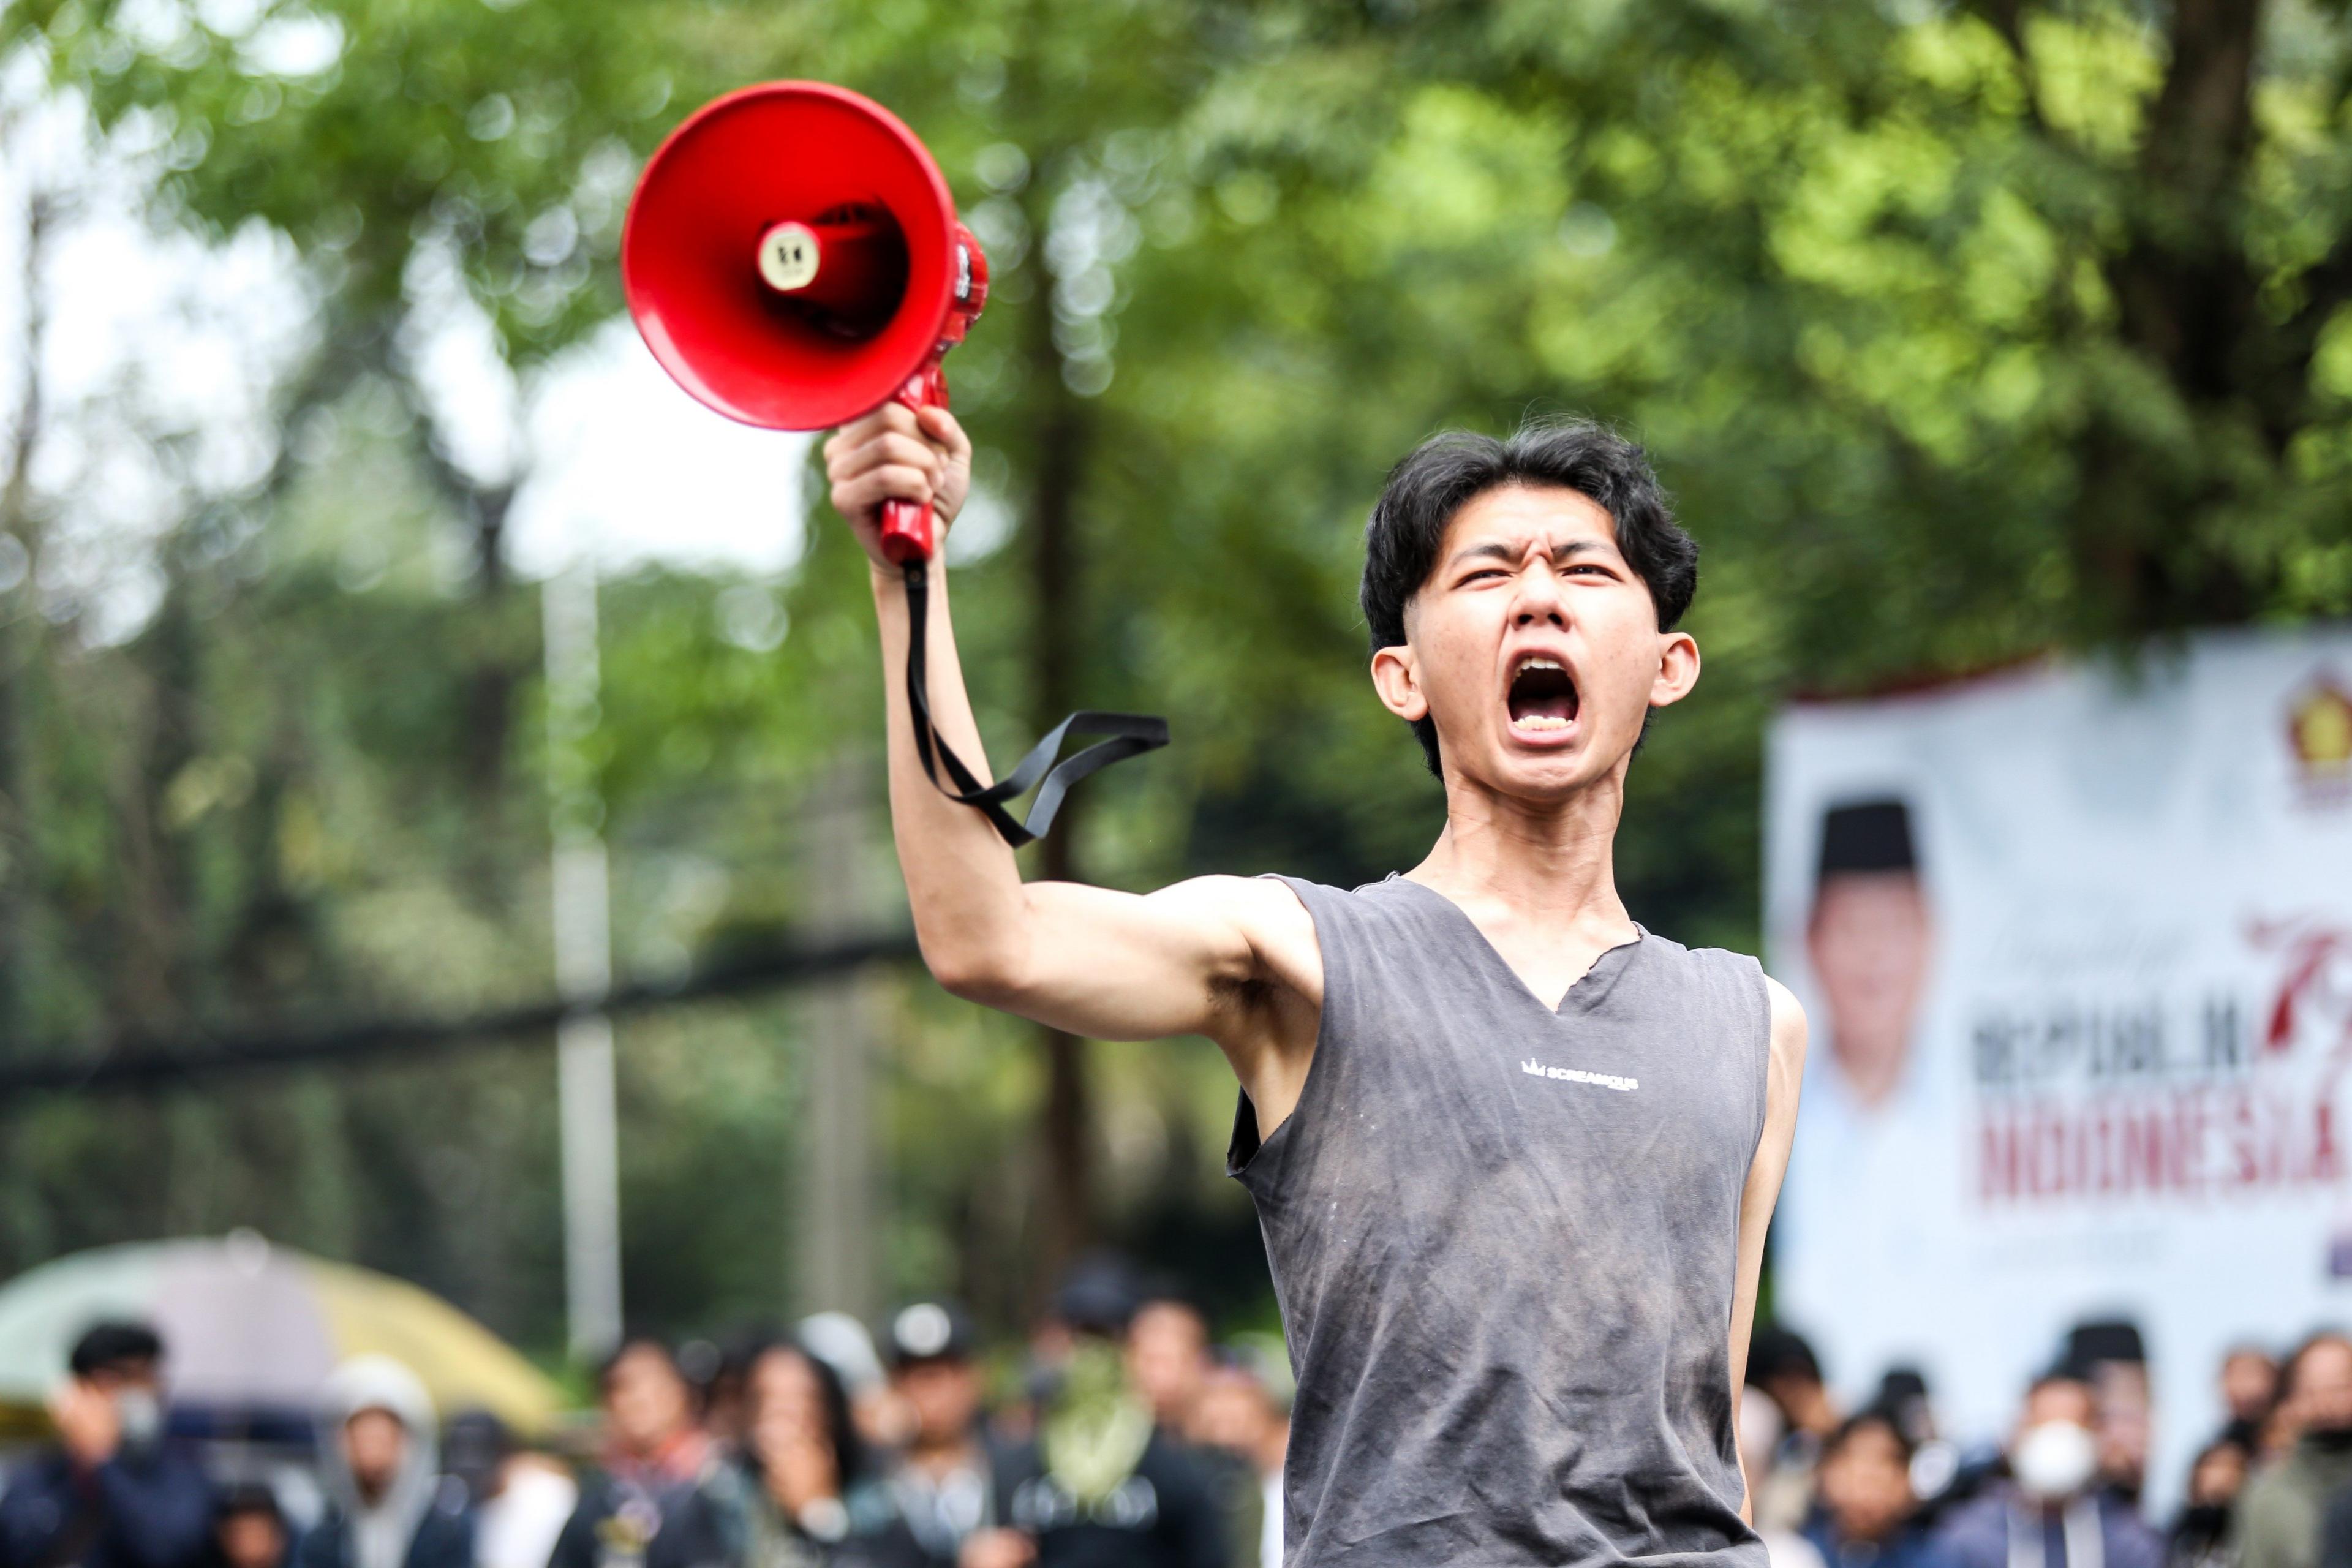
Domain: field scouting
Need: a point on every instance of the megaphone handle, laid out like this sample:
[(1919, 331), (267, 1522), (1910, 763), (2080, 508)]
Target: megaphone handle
[(907, 531)]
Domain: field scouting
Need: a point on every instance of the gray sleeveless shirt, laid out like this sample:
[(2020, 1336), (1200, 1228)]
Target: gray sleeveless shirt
[(1505, 1241)]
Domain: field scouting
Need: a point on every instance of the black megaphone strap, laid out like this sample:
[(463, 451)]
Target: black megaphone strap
[(1128, 735)]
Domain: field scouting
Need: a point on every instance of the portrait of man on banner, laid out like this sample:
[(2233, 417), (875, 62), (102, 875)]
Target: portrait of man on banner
[(1870, 940)]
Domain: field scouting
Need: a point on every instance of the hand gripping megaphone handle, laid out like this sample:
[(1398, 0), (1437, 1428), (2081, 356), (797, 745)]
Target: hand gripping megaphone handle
[(907, 532), (908, 535)]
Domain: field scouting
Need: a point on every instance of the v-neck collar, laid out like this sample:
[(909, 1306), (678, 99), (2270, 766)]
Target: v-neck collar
[(1517, 981)]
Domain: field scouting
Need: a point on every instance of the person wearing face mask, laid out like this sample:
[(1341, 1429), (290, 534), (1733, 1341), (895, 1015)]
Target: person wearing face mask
[(388, 1508), (114, 1492), (2279, 1517), (2052, 1512)]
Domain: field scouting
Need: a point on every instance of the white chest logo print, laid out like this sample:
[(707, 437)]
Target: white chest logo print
[(1576, 1075)]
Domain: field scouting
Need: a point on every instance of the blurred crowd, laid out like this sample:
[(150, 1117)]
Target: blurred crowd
[(1121, 1436), (1881, 1487)]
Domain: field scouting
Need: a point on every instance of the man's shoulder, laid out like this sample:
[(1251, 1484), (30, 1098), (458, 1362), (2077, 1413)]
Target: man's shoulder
[(1226, 889), (1273, 915), (1729, 969)]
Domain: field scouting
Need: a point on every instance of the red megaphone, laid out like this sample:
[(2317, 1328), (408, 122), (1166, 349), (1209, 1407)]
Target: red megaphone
[(792, 258)]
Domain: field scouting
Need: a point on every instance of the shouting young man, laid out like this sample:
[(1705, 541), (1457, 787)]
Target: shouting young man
[(1513, 1155)]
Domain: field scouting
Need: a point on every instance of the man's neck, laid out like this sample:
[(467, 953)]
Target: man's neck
[(1547, 862)]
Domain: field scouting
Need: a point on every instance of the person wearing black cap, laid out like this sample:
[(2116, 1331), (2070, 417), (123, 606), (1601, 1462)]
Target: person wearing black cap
[(1869, 941), (947, 1480), (115, 1492)]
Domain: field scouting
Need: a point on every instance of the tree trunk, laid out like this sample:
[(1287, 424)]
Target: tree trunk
[(496, 670), (2187, 302), (1058, 620), (155, 990), (19, 630), (489, 695)]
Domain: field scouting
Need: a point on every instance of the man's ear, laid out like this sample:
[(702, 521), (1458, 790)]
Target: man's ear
[(1678, 669), (1396, 676)]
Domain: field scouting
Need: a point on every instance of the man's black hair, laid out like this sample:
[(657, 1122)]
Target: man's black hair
[(1099, 1296), (2057, 1372), (1443, 474), (1861, 1420), (1776, 1353), (2104, 1340), (114, 1344), (632, 1342), (241, 1498)]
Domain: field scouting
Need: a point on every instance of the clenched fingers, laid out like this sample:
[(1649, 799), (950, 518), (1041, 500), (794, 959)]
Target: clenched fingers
[(857, 495), (891, 418), (888, 449), (946, 431)]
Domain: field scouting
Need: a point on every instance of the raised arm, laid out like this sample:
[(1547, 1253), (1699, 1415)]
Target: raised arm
[(1194, 958), (1784, 1074)]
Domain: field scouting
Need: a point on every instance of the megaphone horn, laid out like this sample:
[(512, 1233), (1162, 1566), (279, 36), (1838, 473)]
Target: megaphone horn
[(792, 257)]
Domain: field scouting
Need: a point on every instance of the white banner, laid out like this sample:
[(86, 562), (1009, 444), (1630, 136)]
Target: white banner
[(2076, 945)]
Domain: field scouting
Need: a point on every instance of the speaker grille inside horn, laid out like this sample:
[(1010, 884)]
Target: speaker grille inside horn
[(861, 274), (804, 151)]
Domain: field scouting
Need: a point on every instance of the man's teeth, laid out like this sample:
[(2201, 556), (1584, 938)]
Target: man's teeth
[(1539, 662), (1540, 721)]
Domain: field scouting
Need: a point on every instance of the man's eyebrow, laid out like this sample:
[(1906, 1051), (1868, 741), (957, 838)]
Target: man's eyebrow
[(1502, 549)]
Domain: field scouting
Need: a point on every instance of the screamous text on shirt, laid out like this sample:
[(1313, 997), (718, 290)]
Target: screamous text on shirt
[(1574, 1075)]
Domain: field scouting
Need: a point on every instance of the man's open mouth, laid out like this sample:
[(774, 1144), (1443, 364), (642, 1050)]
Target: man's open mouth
[(1543, 695)]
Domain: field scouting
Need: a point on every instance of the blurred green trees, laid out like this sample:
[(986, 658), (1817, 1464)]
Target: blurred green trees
[(1961, 333)]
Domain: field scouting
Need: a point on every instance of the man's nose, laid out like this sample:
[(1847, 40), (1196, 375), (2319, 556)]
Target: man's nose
[(1538, 600)]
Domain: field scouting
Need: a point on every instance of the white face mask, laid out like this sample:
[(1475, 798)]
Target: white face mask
[(2054, 1459), (141, 1416)]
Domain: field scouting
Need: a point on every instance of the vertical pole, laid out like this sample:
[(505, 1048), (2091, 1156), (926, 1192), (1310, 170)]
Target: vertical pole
[(583, 970), (836, 1264)]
